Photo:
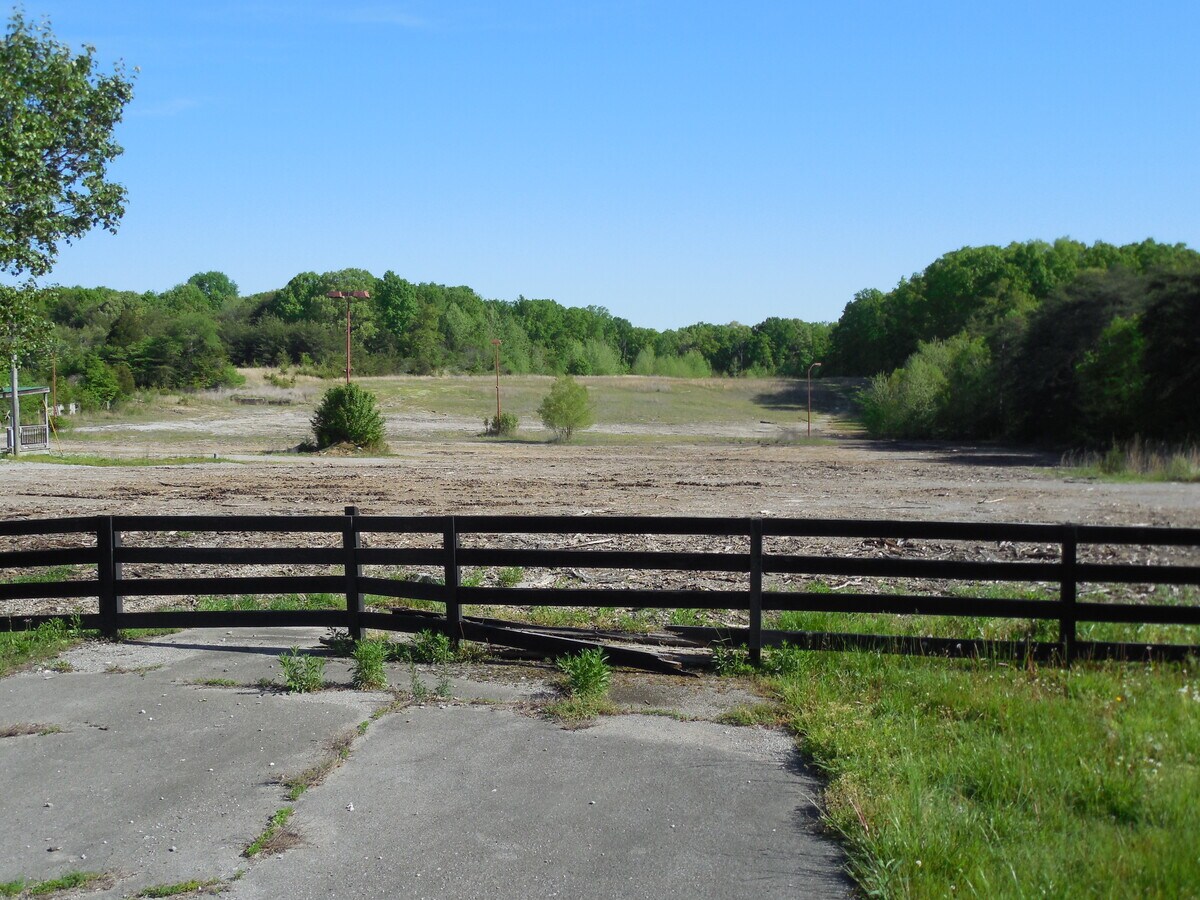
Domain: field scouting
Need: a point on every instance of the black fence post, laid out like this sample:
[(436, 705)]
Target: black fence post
[(1068, 592), (453, 609), (756, 574), (354, 599), (108, 572)]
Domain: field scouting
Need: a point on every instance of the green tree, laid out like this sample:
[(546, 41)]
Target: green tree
[(1171, 325), (567, 408), (217, 287), (1111, 383), (348, 414), (58, 113), (24, 330)]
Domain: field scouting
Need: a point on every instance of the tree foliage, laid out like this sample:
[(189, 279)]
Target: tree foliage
[(567, 408), (58, 113), (24, 331), (348, 414)]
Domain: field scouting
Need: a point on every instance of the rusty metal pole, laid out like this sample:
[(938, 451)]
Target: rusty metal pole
[(496, 346), (347, 338), (348, 296), (810, 368)]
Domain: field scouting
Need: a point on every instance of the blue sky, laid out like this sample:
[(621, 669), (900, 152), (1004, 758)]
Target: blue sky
[(673, 161)]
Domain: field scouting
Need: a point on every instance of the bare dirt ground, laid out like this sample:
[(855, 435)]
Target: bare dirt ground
[(671, 473), (850, 478)]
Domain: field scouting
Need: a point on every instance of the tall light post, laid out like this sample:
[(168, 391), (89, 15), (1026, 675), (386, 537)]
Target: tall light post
[(496, 342), (348, 295), (810, 368)]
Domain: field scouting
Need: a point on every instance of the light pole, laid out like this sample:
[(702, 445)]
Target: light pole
[(810, 368), (496, 342), (348, 295)]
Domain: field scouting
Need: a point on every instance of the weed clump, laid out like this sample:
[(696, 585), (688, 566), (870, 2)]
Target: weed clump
[(503, 425), (432, 647), (587, 681), (368, 671), (302, 674), (588, 673)]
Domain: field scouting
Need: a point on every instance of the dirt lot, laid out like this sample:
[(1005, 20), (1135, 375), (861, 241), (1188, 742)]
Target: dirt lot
[(434, 470), (845, 478)]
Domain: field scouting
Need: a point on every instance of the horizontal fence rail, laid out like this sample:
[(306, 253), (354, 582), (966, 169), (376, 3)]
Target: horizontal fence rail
[(336, 543)]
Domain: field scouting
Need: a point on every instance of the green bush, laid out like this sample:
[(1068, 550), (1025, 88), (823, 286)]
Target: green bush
[(425, 647), (588, 674), (302, 674), (566, 408), (503, 425), (510, 576), (944, 389), (368, 665), (348, 414)]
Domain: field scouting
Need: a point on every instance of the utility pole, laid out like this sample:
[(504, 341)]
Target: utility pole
[(348, 295), (496, 348)]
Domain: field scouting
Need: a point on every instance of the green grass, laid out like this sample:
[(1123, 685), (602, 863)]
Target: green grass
[(281, 602), (48, 575), (180, 887), (977, 778), (20, 648), (90, 459), (1136, 460), (272, 839), (68, 882), (1003, 629), (643, 401), (336, 754)]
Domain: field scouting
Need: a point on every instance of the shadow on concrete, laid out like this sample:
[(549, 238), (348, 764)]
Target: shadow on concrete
[(261, 650)]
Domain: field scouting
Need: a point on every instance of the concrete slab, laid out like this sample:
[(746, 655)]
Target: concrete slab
[(157, 779), (469, 802)]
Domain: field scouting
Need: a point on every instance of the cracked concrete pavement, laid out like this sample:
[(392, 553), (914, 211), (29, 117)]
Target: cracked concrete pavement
[(170, 759)]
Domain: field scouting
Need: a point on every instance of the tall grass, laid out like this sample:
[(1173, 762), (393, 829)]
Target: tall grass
[(18, 648), (976, 778), (1138, 459)]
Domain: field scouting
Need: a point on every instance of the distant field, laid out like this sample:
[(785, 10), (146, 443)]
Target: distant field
[(261, 416)]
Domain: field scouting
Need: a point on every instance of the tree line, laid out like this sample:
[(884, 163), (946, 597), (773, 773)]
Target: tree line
[(1062, 343), (109, 343)]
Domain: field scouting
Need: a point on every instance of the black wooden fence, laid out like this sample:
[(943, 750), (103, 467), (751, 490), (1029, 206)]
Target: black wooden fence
[(1060, 569)]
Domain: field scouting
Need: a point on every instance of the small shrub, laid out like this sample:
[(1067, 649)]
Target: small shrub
[(566, 408), (1114, 461), (503, 425), (425, 647), (510, 576), (588, 673), (302, 674), (729, 660), (348, 414), (417, 687), (368, 665)]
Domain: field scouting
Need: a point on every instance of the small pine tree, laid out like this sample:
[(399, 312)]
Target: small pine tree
[(348, 414), (566, 408)]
